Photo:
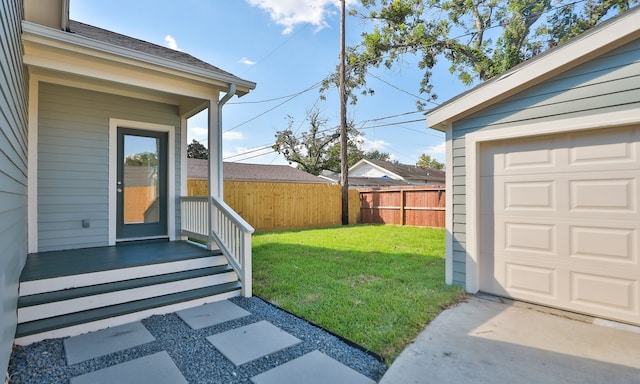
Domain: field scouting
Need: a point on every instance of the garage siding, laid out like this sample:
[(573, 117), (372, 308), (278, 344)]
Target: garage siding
[(73, 161), (606, 84)]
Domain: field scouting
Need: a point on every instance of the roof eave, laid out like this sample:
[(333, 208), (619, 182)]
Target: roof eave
[(380, 168), (122, 53), (605, 37)]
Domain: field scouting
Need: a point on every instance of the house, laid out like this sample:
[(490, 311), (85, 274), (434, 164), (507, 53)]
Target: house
[(378, 173), (544, 167), (197, 170), (80, 107)]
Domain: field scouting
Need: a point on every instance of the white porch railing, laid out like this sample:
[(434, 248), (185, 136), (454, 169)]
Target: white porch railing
[(230, 232)]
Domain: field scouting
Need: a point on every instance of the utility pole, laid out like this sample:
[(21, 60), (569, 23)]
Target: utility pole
[(344, 165)]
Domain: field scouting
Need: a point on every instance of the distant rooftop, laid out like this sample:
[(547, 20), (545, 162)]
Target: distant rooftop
[(197, 169), (410, 172)]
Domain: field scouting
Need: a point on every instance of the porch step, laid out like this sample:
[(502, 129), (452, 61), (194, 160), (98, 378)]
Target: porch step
[(113, 312), (125, 286), (55, 303)]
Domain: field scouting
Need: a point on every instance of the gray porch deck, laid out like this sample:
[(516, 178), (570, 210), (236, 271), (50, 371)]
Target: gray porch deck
[(52, 264), (65, 293)]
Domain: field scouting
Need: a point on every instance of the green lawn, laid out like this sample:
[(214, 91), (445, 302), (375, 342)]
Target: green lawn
[(375, 285)]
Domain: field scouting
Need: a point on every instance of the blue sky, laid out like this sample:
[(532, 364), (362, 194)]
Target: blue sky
[(286, 47)]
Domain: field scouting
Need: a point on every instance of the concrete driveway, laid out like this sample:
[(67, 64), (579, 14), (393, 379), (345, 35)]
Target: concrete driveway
[(490, 340)]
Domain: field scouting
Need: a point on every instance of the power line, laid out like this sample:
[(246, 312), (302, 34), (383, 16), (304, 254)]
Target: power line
[(390, 124), (400, 89), (317, 84), (277, 48), (276, 106), (257, 149), (399, 124)]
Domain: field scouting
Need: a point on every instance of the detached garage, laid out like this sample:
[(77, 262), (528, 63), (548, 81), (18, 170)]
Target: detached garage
[(543, 176)]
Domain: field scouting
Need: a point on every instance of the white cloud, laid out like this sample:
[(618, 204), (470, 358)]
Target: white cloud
[(198, 133), (290, 13), (232, 135), (251, 155), (373, 145), (246, 61), (439, 149), (171, 42)]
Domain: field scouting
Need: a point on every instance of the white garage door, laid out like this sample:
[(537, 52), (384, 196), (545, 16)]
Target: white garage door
[(559, 221)]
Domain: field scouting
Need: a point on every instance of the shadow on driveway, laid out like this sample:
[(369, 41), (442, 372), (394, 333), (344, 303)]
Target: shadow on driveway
[(488, 340)]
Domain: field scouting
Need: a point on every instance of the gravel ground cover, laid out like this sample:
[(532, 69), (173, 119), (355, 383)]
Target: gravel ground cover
[(197, 359)]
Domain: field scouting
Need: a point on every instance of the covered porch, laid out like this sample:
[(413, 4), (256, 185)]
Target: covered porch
[(107, 124), (71, 292)]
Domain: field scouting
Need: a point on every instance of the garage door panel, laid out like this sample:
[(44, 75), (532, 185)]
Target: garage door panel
[(604, 147), (604, 294), (516, 195), (538, 195), (606, 245), (605, 195), (526, 156), (531, 238), (532, 158), (559, 221), (531, 280)]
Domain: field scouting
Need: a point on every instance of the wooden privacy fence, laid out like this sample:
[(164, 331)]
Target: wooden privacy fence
[(271, 206), (422, 206)]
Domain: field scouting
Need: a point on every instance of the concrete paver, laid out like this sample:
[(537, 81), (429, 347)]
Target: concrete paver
[(313, 368), (251, 342), (488, 341), (153, 369), (208, 315), (106, 341)]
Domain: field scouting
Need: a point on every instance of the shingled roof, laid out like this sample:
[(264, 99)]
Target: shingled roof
[(410, 172), (197, 169), (131, 43)]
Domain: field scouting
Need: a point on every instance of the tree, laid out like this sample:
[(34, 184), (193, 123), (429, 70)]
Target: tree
[(354, 154), (195, 150), (427, 162), (376, 155), (478, 38), (146, 159), (318, 149), (310, 150)]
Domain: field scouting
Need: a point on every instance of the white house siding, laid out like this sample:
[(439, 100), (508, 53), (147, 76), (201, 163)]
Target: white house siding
[(13, 171), (606, 84), (73, 161)]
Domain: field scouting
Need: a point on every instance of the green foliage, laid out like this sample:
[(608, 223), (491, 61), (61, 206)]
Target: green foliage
[(146, 159), (376, 155), (310, 150), (376, 285), (318, 149), (427, 162), (478, 38), (195, 150)]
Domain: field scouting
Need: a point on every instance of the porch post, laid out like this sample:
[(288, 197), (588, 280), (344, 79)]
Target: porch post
[(214, 165)]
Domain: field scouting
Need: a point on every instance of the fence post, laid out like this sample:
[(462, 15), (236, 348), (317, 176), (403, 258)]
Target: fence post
[(402, 206)]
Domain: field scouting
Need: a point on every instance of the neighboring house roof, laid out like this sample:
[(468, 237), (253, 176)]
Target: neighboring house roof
[(384, 169), (607, 36), (377, 182), (197, 169)]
